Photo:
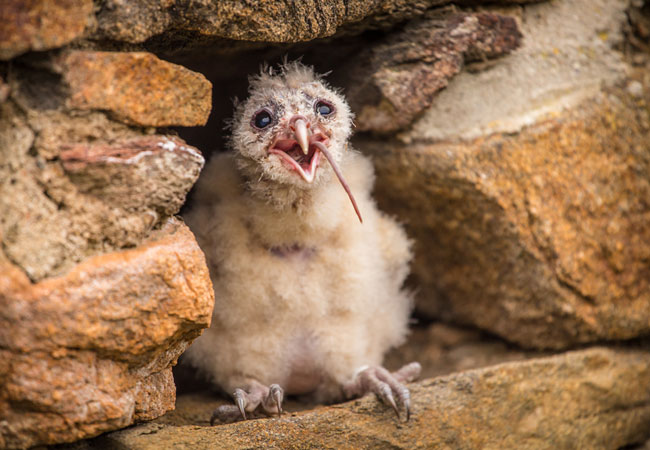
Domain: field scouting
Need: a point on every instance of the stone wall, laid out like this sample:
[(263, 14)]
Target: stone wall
[(512, 138), (101, 286)]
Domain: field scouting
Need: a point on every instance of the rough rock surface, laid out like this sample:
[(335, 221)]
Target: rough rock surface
[(91, 351), (101, 289), (393, 82), (561, 62), (144, 172), (136, 88), (595, 398), (41, 24), (76, 183), (269, 21), (539, 236)]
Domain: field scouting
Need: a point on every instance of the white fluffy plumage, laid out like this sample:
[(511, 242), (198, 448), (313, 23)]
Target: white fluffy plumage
[(306, 296)]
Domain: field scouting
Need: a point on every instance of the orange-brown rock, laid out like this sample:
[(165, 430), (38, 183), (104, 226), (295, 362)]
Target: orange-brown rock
[(525, 186), (137, 88), (92, 350), (595, 398), (541, 237), (41, 24)]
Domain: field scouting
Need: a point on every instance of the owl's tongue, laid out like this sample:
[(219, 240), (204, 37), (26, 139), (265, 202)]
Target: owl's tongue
[(339, 175), (303, 163)]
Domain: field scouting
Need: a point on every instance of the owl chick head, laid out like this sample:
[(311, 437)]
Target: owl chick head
[(292, 129)]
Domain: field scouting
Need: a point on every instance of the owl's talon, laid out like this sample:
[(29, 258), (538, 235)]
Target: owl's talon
[(214, 417), (405, 399), (391, 402), (249, 399), (240, 399), (387, 386), (273, 401), (277, 394)]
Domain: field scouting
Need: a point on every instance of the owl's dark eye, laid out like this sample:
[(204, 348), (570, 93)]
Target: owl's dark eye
[(324, 108), (262, 119)]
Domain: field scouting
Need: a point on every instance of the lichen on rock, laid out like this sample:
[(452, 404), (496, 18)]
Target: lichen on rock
[(510, 239)]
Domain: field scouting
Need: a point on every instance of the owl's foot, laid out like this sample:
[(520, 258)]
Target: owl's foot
[(387, 386), (248, 400)]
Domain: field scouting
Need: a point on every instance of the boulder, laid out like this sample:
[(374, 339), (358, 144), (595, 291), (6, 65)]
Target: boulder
[(148, 172), (525, 187), (394, 81), (136, 87), (91, 351)]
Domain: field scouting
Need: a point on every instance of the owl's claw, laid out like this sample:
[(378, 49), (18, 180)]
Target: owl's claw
[(249, 400), (387, 386), (387, 396), (240, 400), (277, 395)]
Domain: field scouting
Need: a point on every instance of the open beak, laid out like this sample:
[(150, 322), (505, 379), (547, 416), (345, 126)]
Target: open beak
[(301, 150), (295, 146)]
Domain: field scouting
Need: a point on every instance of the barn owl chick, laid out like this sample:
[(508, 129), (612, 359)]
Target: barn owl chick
[(308, 297)]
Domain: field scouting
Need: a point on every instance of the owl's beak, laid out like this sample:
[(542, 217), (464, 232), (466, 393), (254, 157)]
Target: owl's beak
[(299, 128), (305, 160), (295, 145)]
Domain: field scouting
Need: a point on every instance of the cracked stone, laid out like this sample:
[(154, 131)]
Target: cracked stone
[(76, 198)]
